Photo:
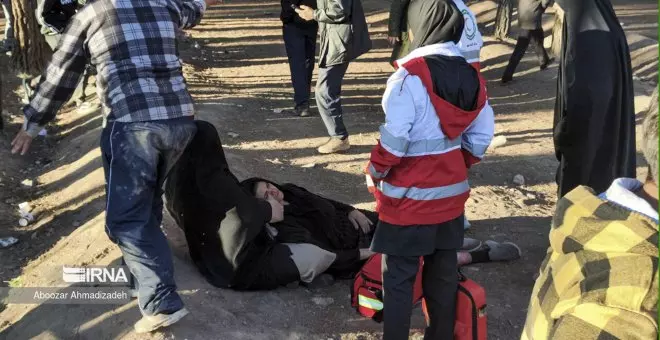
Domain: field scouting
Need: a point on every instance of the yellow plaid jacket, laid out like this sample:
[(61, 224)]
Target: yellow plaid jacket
[(600, 277)]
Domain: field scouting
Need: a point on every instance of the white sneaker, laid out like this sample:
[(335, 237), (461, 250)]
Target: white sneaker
[(151, 323)]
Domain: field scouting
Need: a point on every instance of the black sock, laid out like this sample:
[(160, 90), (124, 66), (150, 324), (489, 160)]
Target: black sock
[(480, 256)]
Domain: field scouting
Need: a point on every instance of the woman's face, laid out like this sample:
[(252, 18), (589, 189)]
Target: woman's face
[(264, 190)]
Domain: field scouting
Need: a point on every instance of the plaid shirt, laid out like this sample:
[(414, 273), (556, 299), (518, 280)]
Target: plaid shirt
[(132, 44), (600, 277)]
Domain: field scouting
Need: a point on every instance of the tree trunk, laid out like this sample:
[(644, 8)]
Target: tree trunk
[(503, 19), (557, 31), (30, 51), (2, 120)]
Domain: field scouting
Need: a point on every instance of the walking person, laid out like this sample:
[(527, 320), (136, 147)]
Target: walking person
[(594, 123), (397, 30), (530, 13), (435, 130), (300, 43), (344, 37), (53, 17), (148, 121)]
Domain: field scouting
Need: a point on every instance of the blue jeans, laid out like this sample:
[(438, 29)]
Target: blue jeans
[(136, 160), (328, 98), (300, 47)]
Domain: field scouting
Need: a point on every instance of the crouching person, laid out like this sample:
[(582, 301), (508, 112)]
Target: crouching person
[(600, 277), (435, 130), (226, 227)]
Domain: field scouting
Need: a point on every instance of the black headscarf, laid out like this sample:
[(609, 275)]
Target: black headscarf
[(301, 201), (434, 22), (310, 218)]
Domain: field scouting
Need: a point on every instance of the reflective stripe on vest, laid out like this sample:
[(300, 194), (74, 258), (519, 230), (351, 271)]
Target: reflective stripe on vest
[(424, 194), (370, 303), (401, 147)]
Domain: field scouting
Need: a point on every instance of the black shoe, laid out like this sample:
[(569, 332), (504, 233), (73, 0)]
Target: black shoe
[(546, 64), (303, 111), (506, 79)]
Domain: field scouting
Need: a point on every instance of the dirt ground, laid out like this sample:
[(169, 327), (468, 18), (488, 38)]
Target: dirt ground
[(237, 70)]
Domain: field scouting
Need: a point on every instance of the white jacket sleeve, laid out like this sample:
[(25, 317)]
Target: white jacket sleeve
[(479, 134)]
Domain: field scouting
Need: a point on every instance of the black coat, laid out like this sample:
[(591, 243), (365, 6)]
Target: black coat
[(530, 13), (289, 16), (317, 220), (224, 224), (594, 123)]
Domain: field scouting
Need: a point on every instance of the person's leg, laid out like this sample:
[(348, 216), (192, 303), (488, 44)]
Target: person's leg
[(135, 158), (310, 56), (85, 106), (294, 42), (516, 56), (440, 282), (536, 38), (328, 99), (399, 274)]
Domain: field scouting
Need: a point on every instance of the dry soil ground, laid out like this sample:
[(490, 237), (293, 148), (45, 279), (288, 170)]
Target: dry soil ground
[(237, 71)]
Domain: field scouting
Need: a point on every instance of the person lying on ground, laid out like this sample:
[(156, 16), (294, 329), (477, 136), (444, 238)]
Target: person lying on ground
[(329, 224), (226, 227), (600, 277), (346, 231)]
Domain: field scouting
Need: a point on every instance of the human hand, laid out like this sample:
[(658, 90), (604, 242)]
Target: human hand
[(393, 40), (21, 143), (305, 12), (360, 221), (277, 209), (366, 253)]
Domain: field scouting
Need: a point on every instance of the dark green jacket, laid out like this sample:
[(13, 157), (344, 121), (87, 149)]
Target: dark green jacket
[(343, 30), (397, 22)]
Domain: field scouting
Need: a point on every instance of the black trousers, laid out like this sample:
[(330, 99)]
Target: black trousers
[(536, 38), (300, 44), (439, 281)]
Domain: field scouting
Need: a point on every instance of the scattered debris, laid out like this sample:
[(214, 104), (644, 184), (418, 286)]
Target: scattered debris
[(43, 133), (323, 301), (530, 196), (274, 161), (196, 45), (223, 104), (518, 179), (25, 220), (278, 111), (497, 142), (34, 235), (308, 165), (8, 242), (27, 183), (233, 134), (24, 208)]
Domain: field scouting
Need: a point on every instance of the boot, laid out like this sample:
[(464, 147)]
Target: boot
[(334, 144)]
